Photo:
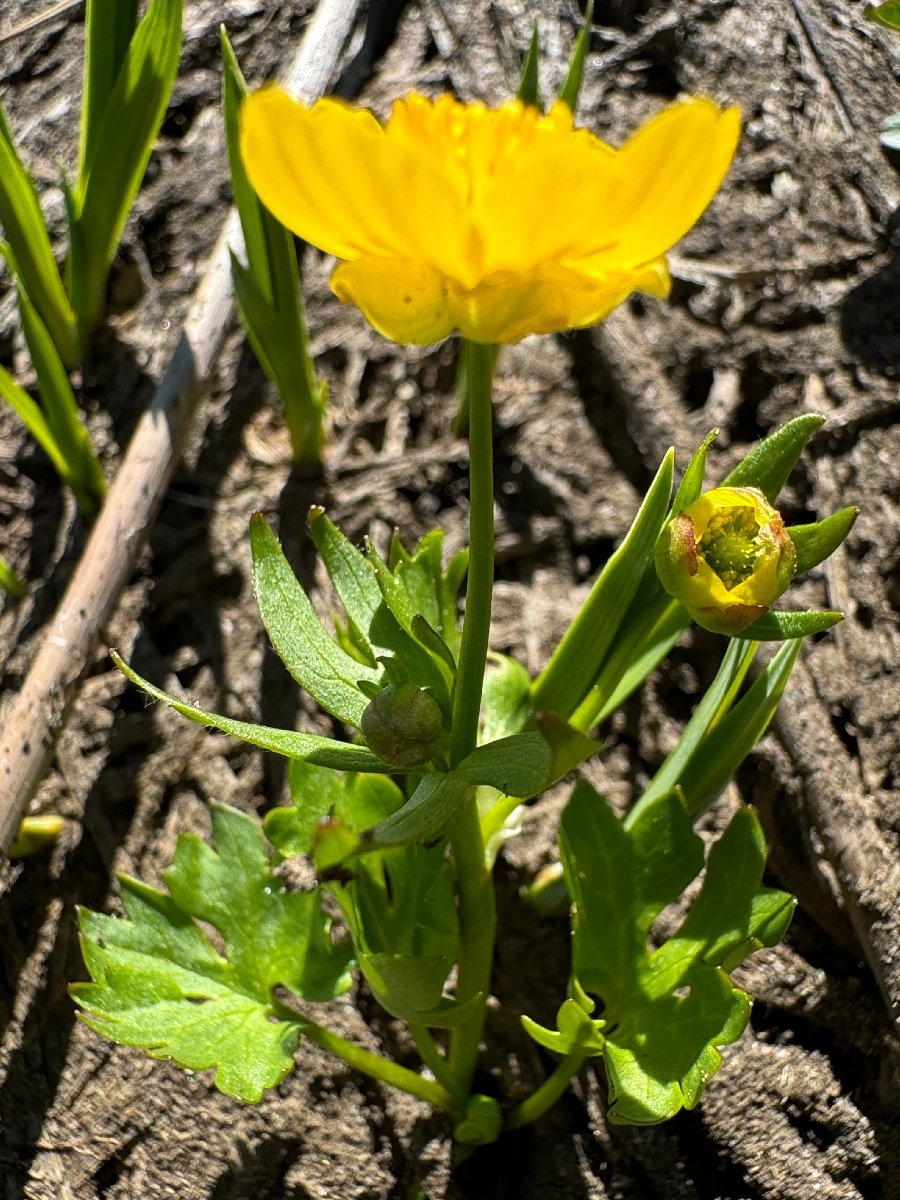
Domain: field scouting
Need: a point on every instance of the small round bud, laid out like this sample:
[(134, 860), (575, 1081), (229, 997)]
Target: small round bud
[(403, 725), (727, 557), (482, 1122)]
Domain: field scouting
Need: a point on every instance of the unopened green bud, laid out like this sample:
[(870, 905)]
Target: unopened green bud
[(403, 725), (482, 1123), (727, 557)]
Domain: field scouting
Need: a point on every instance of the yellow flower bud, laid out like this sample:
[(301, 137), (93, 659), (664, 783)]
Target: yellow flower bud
[(727, 557)]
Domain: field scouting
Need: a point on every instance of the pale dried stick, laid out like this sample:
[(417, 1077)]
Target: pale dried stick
[(36, 715)]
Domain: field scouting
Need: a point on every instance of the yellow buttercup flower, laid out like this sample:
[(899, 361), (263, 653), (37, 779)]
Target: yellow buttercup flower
[(496, 222), (727, 557)]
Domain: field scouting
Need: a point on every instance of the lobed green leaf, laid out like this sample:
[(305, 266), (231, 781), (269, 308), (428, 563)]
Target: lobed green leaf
[(666, 1011), (159, 983)]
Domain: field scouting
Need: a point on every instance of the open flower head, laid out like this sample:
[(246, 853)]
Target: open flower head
[(727, 557), (496, 222)]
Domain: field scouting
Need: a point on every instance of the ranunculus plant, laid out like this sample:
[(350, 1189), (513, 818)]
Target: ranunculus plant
[(497, 223)]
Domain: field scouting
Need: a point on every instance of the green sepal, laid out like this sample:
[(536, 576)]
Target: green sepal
[(816, 542), (300, 640), (580, 655), (576, 1032), (667, 1011), (782, 626), (529, 84), (771, 461), (886, 14), (159, 982), (309, 747), (121, 145), (571, 88)]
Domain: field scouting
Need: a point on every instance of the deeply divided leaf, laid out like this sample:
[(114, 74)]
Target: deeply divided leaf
[(667, 1010), (161, 984)]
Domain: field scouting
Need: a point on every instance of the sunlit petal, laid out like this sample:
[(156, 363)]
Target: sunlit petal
[(406, 301), (670, 170), (332, 176), (497, 222)]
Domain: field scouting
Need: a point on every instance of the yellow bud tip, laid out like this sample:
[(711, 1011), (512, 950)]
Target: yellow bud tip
[(727, 558)]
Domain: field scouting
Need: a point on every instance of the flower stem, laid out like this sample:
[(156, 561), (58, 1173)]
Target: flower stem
[(476, 901), (479, 587), (546, 1095), (382, 1069)]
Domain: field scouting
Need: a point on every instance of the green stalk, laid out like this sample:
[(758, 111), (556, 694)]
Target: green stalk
[(476, 901), (480, 584), (431, 1056), (382, 1069), (546, 1095)]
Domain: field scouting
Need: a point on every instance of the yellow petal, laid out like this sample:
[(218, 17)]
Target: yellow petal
[(669, 171), (332, 176), (508, 307), (406, 301)]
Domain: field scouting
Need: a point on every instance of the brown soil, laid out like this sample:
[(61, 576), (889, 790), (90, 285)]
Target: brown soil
[(787, 299)]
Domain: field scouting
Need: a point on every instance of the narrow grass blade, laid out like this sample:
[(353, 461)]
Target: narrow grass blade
[(25, 231), (571, 88), (529, 86), (109, 26), (267, 290), (82, 470), (102, 198)]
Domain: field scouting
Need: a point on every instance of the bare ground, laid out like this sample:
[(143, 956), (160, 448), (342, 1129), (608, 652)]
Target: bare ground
[(787, 300)]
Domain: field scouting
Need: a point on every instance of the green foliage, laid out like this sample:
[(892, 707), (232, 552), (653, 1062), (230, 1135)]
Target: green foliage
[(667, 1010), (10, 580), (571, 88), (35, 268), (125, 117), (267, 290), (529, 84), (723, 729), (771, 461), (161, 984), (309, 747), (886, 14), (578, 658)]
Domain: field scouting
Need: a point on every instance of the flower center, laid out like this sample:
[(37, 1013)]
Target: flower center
[(730, 544)]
